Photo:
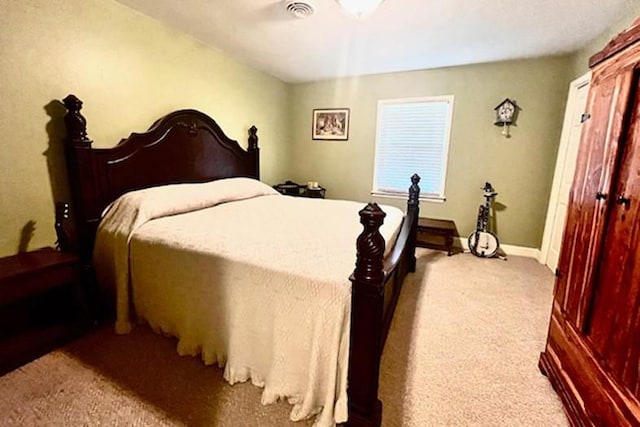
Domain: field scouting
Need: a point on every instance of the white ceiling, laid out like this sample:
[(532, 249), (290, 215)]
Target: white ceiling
[(401, 35)]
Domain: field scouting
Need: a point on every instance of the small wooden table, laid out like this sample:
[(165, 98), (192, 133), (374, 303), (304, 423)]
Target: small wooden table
[(436, 234)]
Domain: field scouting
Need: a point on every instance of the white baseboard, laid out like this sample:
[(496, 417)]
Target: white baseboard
[(508, 249)]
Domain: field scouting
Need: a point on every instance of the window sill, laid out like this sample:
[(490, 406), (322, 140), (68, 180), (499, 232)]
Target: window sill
[(405, 196)]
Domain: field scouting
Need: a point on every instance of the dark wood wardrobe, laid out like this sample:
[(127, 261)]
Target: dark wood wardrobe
[(592, 355)]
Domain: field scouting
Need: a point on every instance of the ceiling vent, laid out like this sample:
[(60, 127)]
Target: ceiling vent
[(300, 8)]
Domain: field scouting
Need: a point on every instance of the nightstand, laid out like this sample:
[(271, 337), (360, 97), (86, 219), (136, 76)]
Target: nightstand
[(42, 304)]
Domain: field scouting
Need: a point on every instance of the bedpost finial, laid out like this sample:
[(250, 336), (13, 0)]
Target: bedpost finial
[(253, 138), (414, 190), (370, 246), (372, 214), (74, 121), (73, 103)]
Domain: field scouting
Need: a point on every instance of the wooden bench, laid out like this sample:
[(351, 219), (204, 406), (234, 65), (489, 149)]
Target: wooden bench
[(436, 234)]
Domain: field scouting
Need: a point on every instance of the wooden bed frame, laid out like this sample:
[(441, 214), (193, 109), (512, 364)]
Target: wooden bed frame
[(188, 146)]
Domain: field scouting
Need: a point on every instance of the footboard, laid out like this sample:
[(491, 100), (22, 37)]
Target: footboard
[(376, 286)]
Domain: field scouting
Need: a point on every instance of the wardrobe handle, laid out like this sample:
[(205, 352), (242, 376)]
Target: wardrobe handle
[(601, 196), (621, 200)]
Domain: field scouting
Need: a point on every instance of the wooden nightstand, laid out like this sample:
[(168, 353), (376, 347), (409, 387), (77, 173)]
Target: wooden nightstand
[(436, 234), (42, 304)]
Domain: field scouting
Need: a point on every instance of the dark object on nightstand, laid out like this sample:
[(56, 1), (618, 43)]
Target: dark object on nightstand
[(436, 234), (314, 193), (291, 188), (42, 304)]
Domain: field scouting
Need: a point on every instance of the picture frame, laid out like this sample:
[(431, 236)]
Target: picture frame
[(330, 124)]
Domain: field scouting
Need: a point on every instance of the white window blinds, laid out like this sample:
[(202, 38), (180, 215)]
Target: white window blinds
[(412, 137)]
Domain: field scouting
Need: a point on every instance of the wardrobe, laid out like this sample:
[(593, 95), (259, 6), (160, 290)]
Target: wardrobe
[(592, 354)]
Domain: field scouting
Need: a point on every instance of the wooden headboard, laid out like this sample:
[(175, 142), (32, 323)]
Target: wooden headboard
[(183, 146)]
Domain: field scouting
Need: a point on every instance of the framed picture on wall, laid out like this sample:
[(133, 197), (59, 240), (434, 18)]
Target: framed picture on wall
[(331, 124)]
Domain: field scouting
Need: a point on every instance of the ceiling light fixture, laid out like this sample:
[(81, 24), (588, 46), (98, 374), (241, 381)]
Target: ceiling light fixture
[(359, 8)]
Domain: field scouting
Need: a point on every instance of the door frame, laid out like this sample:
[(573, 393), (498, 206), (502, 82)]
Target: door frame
[(561, 162)]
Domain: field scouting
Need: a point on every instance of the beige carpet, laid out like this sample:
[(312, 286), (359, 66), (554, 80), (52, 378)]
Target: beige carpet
[(462, 351)]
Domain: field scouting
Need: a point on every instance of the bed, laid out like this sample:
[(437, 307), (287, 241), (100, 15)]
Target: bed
[(186, 156)]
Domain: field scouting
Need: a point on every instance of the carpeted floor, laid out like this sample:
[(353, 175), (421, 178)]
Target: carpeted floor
[(462, 351)]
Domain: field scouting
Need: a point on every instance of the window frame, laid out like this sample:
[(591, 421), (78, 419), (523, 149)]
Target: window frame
[(440, 197)]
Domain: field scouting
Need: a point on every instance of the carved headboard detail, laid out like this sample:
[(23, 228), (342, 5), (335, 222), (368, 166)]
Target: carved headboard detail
[(183, 146)]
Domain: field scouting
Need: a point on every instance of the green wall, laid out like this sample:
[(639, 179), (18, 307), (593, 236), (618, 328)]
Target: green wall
[(520, 168), (129, 70)]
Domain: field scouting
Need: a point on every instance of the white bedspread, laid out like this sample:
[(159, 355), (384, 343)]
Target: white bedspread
[(258, 285)]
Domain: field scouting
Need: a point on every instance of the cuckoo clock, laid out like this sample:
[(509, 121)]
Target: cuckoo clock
[(506, 113)]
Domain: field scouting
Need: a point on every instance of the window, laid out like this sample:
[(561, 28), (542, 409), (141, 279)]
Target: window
[(412, 137)]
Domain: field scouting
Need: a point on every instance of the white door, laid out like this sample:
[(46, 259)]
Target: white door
[(565, 168)]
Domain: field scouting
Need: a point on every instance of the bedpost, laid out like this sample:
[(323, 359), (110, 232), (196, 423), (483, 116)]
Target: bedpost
[(367, 302), (75, 122), (253, 148), (413, 212), (81, 177)]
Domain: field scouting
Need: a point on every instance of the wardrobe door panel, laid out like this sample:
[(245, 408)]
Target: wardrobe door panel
[(590, 194), (613, 322)]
